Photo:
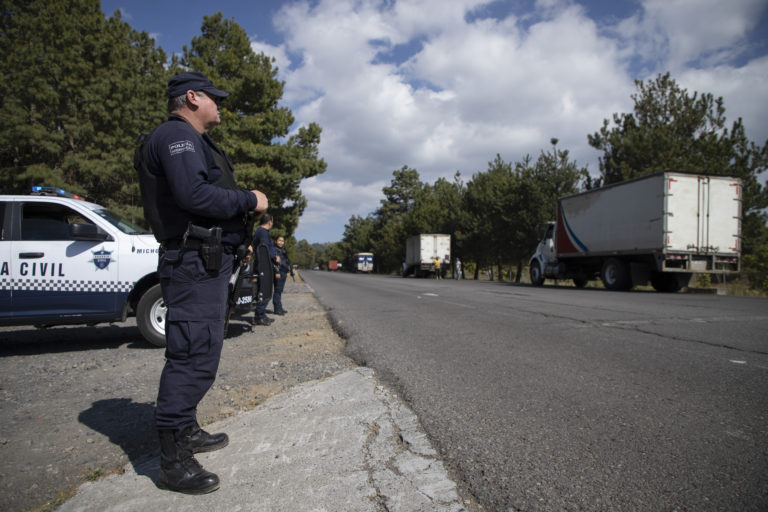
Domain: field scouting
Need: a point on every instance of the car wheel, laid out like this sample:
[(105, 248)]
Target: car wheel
[(150, 316), (537, 277)]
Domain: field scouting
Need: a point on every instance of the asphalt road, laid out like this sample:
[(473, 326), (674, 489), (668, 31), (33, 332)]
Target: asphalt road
[(552, 398)]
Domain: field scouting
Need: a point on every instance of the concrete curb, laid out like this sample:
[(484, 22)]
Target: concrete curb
[(341, 444)]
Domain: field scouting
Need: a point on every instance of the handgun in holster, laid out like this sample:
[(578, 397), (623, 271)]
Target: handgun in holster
[(209, 240)]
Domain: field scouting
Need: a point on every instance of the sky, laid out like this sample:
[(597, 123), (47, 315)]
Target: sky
[(445, 85)]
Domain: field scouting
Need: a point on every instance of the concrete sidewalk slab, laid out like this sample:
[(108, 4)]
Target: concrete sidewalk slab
[(341, 444)]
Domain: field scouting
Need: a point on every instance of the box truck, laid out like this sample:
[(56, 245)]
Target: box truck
[(662, 228), (421, 251), (363, 262)]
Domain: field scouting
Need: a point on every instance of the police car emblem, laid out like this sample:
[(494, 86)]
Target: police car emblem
[(101, 259)]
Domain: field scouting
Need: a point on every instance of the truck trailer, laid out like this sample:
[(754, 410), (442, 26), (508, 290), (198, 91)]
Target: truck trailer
[(662, 228), (421, 251)]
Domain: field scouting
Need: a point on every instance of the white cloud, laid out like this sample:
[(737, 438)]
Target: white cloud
[(711, 30), (282, 61), (742, 89), (696, 41), (469, 90)]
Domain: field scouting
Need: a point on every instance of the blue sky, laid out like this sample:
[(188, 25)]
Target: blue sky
[(443, 86)]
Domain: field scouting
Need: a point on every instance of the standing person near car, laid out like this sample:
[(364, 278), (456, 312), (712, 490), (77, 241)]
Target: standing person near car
[(197, 214), (458, 269), (261, 237), (284, 267)]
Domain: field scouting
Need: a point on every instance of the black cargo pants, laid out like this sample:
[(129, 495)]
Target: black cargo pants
[(194, 328)]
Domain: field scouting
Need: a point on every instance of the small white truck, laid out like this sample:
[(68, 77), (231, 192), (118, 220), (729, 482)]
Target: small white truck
[(421, 251), (363, 262), (662, 228)]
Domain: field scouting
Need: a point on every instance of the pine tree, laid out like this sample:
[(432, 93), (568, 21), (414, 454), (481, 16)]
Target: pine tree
[(253, 122), (79, 90)]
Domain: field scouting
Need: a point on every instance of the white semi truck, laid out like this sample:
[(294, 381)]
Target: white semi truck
[(662, 228), (420, 253)]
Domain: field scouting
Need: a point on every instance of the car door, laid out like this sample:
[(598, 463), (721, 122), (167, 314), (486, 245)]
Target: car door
[(5, 258), (55, 276)]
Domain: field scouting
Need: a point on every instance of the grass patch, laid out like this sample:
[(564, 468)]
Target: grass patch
[(55, 502), (94, 475)]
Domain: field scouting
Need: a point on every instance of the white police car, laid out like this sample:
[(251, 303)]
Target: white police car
[(64, 260)]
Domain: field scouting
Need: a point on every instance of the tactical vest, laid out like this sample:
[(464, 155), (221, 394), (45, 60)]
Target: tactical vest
[(149, 188)]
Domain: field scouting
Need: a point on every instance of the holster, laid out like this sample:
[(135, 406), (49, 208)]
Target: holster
[(208, 241)]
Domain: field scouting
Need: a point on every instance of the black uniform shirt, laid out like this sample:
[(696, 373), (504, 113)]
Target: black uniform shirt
[(285, 265), (186, 171), (261, 237)]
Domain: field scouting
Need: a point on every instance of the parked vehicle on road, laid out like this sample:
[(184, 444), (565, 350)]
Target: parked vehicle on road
[(421, 251), (363, 262), (661, 228), (64, 260)]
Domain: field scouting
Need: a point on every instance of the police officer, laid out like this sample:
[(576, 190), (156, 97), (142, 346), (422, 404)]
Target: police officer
[(189, 192), (284, 268), (261, 237)]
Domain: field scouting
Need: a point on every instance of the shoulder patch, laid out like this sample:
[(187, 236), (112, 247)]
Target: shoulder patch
[(180, 147)]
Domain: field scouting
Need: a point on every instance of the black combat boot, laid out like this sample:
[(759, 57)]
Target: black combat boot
[(198, 440), (180, 471)]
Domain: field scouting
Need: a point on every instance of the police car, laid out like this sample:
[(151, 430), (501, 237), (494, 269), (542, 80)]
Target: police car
[(64, 260)]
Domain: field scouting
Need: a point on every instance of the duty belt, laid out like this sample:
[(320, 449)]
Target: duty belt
[(192, 244)]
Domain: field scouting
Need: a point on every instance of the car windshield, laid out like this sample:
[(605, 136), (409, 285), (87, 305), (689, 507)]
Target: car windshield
[(120, 222)]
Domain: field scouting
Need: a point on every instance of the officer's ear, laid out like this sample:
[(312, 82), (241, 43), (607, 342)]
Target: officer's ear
[(194, 99)]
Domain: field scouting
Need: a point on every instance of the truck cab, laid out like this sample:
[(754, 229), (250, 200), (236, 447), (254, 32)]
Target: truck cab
[(545, 264), (545, 251)]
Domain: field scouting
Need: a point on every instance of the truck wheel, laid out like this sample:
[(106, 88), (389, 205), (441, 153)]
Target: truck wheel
[(615, 275), (580, 282), (537, 276), (150, 316), (667, 282)]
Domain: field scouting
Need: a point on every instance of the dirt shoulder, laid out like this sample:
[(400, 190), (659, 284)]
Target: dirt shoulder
[(77, 403)]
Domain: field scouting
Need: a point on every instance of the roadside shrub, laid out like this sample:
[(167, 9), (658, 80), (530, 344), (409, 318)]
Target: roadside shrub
[(756, 268)]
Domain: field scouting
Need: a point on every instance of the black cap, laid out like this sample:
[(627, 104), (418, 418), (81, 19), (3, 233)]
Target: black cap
[(192, 81)]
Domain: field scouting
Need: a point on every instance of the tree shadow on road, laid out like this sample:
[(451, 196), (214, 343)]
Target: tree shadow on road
[(130, 426)]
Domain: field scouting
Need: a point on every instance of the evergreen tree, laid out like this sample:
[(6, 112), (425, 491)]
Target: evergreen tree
[(305, 255), (392, 218), (358, 235), (452, 219), (79, 89), (490, 204), (253, 123)]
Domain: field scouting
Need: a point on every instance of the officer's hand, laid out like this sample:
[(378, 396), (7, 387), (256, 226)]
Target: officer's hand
[(277, 259), (262, 200), (277, 276)]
